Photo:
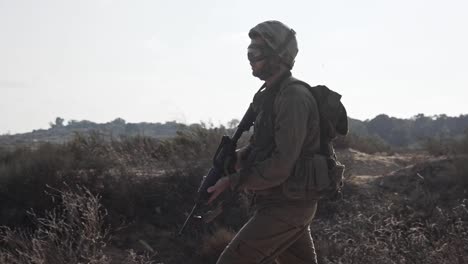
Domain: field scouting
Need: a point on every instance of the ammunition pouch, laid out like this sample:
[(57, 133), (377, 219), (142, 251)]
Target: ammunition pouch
[(314, 177)]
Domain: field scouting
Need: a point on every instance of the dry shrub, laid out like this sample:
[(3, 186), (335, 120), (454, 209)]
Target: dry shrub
[(127, 148), (447, 146), (461, 165), (435, 181), (134, 258), (366, 144), (140, 180), (366, 227), (25, 173), (410, 220), (195, 145), (439, 146), (118, 169), (71, 233), (386, 233), (461, 171)]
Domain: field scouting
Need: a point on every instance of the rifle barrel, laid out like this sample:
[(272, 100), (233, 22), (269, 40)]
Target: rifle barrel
[(188, 218)]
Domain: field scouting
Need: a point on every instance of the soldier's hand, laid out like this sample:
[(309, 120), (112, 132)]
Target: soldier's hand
[(220, 186)]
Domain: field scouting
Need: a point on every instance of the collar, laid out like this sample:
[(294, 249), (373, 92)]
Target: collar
[(278, 81)]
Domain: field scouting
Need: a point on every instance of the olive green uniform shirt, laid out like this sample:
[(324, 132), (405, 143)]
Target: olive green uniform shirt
[(294, 130)]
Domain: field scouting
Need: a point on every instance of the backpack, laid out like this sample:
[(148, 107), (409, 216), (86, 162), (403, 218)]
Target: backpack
[(333, 121)]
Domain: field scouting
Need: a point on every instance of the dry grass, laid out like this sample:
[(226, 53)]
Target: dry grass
[(134, 258), (73, 232), (379, 228), (150, 185)]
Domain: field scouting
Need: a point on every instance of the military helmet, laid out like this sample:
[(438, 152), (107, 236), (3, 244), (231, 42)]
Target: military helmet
[(280, 38)]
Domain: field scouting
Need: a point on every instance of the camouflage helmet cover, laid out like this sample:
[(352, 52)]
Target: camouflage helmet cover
[(280, 38)]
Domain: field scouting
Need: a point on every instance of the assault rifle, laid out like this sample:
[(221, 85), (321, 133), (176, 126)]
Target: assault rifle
[(223, 163)]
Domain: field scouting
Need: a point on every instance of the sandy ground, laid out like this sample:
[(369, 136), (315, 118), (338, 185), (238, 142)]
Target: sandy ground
[(362, 164)]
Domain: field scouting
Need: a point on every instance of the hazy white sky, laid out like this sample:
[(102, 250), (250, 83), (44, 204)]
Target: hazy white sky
[(158, 61)]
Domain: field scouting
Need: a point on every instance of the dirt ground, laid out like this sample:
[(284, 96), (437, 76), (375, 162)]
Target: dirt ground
[(362, 164)]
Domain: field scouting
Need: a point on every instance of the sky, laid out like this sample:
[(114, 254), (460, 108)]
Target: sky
[(185, 61)]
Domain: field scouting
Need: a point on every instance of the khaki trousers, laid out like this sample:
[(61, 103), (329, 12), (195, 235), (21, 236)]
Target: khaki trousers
[(275, 234)]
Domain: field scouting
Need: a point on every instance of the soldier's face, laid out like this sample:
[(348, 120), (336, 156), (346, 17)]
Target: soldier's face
[(257, 57)]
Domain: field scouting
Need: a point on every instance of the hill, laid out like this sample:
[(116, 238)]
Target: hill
[(60, 133), (411, 132), (383, 131)]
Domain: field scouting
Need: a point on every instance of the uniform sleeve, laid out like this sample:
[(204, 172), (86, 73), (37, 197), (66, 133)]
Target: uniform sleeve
[(292, 110)]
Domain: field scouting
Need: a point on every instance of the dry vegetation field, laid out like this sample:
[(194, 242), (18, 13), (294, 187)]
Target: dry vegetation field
[(93, 200)]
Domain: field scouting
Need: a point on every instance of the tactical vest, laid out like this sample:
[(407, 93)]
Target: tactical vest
[(316, 174)]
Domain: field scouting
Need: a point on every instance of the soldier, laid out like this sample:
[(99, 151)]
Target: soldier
[(275, 163)]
